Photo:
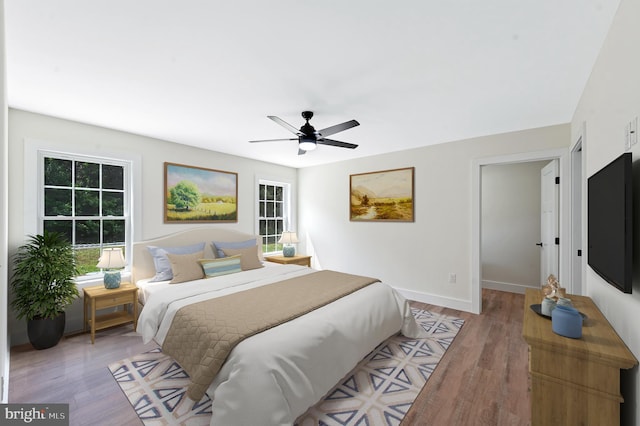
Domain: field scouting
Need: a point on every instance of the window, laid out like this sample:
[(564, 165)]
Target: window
[(86, 199), (273, 213)]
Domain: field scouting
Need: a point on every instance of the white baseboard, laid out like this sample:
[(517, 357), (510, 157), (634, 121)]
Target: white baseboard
[(510, 287), (447, 302)]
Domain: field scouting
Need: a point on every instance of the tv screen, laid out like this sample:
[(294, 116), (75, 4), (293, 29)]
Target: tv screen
[(610, 223)]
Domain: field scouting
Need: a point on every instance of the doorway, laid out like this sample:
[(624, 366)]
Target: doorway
[(562, 156), (512, 225)]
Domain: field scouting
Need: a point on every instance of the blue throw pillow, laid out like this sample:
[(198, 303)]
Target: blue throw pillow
[(161, 261), (219, 246)]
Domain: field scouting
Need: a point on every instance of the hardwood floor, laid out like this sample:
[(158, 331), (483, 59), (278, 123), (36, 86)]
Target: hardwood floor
[(75, 372), (483, 377), (481, 380)]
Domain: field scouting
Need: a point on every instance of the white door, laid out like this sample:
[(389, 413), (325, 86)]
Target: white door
[(549, 221)]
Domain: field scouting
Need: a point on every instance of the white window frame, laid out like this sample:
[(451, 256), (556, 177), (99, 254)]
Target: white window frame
[(287, 216), (126, 165), (34, 184)]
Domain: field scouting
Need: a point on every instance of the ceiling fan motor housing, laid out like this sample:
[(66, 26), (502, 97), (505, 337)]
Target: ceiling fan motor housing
[(308, 138), (308, 130)]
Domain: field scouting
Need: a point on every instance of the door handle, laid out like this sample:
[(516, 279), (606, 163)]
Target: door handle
[(539, 244)]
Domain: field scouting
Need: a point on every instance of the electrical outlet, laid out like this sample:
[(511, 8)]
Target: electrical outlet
[(452, 278)]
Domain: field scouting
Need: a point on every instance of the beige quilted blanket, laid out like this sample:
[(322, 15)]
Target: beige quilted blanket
[(203, 334)]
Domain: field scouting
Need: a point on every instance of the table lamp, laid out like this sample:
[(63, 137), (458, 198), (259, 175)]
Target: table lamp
[(111, 258), (288, 238)]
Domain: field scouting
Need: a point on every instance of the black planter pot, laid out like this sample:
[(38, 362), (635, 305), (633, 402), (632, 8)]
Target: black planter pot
[(45, 332)]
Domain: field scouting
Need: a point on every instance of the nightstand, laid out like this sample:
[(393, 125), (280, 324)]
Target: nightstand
[(98, 297), (294, 260)]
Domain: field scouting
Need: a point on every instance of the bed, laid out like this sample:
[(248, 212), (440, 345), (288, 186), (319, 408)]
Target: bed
[(274, 376)]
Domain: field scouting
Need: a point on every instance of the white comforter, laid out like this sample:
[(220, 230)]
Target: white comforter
[(275, 376)]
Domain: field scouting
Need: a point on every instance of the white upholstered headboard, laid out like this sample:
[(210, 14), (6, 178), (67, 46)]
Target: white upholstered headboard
[(143, 262)]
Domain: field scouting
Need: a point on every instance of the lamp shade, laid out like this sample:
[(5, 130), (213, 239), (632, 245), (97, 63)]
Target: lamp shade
[(111, 258), (288, 237)]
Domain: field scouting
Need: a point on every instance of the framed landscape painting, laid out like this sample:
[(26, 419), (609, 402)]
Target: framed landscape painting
[(382, 196), (195, 194)]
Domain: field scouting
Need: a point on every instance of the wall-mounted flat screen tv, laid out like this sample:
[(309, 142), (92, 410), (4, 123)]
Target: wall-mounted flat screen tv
[(610, 223)]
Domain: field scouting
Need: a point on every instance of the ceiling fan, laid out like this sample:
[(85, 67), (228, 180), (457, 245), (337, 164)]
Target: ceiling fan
[(309, 137)]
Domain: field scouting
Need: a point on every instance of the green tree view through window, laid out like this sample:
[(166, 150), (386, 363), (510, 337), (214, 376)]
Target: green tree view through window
[(85, 201), (271, 219)]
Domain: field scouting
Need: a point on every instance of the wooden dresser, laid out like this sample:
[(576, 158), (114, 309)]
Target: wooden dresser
[(574, 381)]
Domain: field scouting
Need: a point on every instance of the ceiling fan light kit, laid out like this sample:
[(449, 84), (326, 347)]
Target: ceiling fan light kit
[(307, 143), (308, 138)]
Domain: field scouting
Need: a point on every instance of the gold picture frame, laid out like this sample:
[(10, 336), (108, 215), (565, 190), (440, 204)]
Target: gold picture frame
[(198, 195), (383, 196)]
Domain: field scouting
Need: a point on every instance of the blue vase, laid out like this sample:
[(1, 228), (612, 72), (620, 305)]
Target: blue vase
[(288, 251), (111, 279), (566, 321)]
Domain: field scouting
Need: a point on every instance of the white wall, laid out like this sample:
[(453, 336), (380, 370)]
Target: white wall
[(4, 221), (511, 225), (610, 100), (417, 256), (76, 137)]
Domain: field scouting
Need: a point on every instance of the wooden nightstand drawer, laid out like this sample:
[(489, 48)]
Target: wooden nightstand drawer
[(115, 300)]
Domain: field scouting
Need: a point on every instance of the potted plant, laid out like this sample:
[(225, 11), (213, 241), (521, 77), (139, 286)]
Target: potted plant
[(42, 286)]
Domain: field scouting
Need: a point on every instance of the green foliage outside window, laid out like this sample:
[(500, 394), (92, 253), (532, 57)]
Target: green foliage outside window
[(84, 201), (271, 216)]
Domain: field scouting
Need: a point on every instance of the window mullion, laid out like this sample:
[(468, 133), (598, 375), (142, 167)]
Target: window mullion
[(73, 203), (100, 211)]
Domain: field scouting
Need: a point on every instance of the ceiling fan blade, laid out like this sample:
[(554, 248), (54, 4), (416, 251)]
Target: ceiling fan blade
[(336, 143), (301, 151), (338, 128), (274, 140), (286, 125)]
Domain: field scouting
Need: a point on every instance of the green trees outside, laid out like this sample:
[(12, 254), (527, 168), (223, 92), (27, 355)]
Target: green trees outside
[(84, 201)]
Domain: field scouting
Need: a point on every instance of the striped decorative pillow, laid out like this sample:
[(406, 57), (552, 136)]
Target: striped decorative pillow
[(222, 266)]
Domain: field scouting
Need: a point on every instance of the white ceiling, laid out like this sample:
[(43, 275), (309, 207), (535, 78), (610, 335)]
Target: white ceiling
[(207, 73)]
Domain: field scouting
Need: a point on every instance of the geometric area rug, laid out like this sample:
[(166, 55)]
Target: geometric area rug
[(382, 387), (378, 391)]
